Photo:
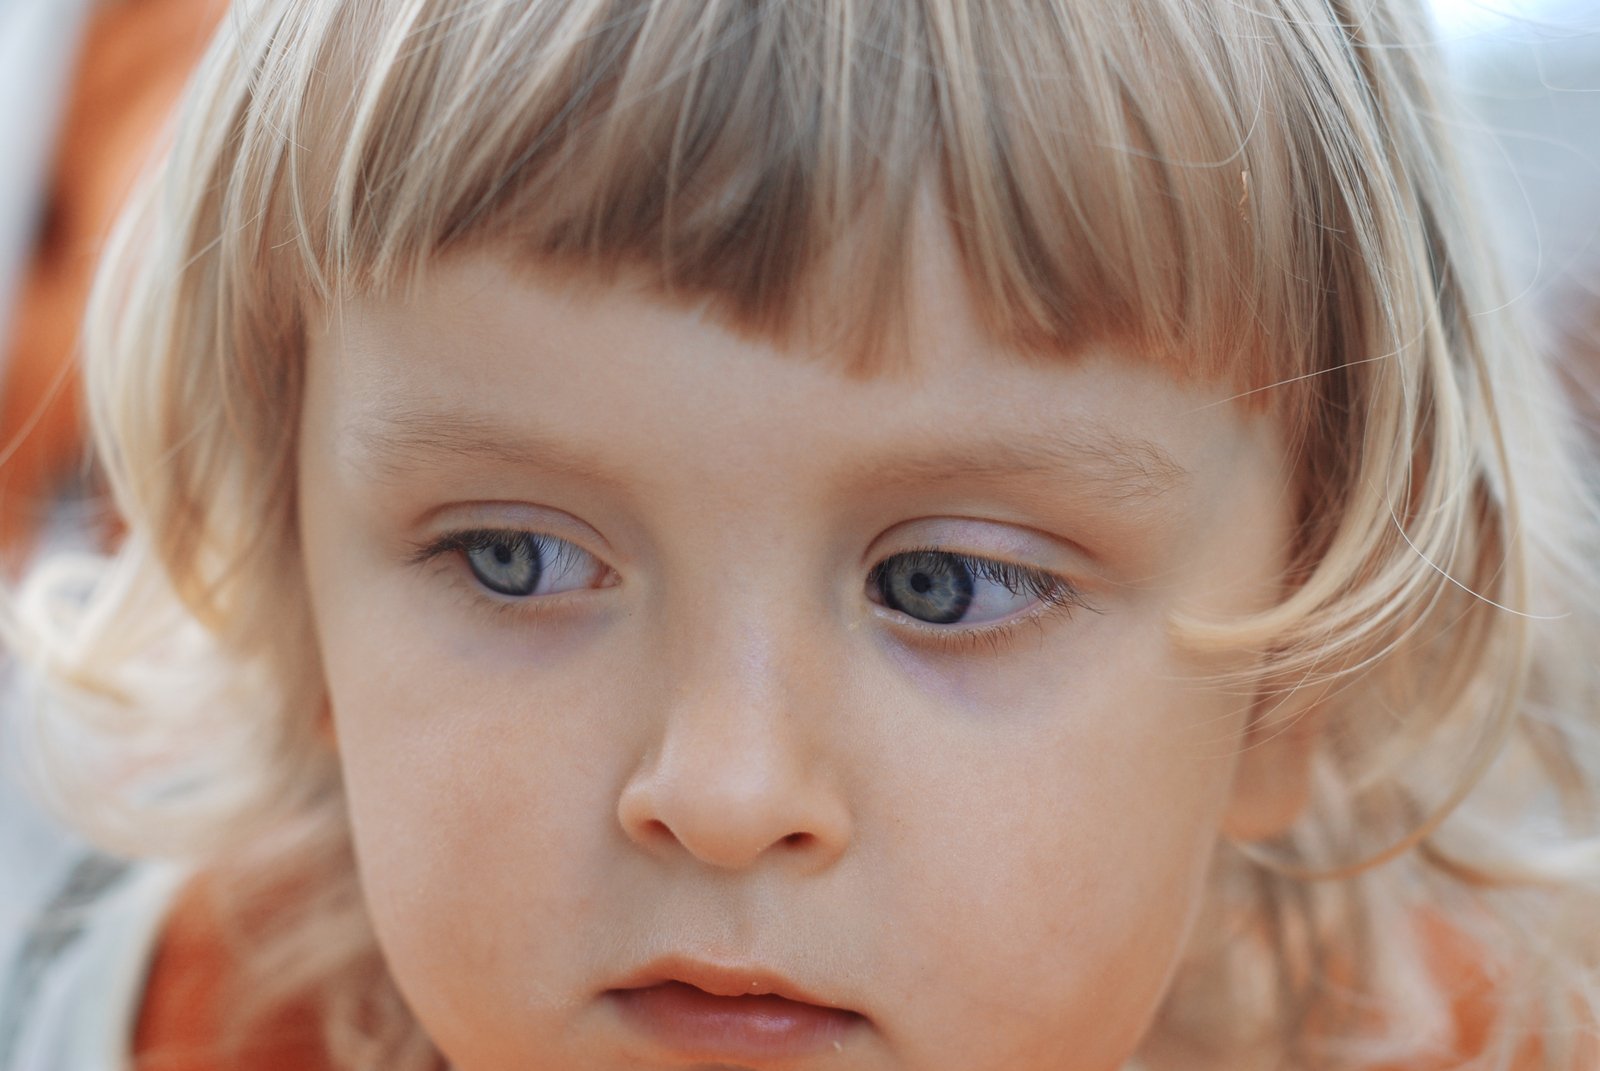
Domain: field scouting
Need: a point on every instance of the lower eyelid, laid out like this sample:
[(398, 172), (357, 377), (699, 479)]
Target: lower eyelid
[(995, 636)]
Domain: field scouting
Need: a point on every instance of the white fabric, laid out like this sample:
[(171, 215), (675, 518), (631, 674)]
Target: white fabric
[(75, 983)]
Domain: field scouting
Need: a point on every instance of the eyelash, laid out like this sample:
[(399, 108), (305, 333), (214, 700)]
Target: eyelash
[(1056, 594), (470, 539)]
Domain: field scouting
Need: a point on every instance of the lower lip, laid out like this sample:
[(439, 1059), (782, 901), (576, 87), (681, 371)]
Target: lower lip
[(691, 1022)]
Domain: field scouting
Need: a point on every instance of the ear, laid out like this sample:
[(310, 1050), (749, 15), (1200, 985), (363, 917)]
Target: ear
[(1272, 781)]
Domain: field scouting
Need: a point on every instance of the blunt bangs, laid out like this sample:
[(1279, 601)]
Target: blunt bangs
[(1144, 174)]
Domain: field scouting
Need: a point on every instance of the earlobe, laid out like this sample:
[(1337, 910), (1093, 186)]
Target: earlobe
[(1272, 781)]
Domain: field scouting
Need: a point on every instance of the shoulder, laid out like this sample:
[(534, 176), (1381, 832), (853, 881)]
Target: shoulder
[(77, 927), (72, 976)]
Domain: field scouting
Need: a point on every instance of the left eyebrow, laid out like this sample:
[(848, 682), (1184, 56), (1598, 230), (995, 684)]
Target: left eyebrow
[(1122, 467)]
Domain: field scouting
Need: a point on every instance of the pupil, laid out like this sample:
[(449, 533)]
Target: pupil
[(502, 554), (920, 583)]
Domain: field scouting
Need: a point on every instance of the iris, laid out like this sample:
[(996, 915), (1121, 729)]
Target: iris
[(509, 563), (936, 588)]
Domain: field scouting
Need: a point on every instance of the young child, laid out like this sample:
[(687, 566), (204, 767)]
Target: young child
[(905, 534)]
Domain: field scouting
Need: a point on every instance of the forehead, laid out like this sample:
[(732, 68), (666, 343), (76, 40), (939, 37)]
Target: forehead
[(610, 387)]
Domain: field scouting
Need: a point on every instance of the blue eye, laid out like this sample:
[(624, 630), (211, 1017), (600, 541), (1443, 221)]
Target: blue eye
[(522, 564), (936, 588), (943, 588), (510, 564)]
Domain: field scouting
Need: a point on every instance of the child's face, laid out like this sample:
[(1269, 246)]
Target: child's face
[(751, 712)]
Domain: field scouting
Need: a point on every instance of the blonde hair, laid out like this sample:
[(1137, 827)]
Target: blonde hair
[(1254, 193)]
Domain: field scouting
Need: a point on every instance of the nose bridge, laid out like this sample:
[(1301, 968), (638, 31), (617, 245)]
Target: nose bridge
[(742, 610), (730, 660), (740, 767)]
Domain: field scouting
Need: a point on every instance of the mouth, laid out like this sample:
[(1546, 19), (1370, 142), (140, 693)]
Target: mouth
[(728, 1014)]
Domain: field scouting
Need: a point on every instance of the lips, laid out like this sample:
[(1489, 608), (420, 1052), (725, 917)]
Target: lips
[(714, 1013)]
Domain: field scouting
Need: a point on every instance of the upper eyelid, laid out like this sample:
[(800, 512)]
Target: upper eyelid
[(514, 517), (1009, 541), (471, 538), (980, 561)]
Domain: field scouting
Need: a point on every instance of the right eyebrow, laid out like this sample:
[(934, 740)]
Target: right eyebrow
[(1125, 467), (396, 439)]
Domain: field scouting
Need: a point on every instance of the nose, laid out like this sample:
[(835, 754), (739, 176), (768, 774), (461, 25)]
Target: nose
[(740, 770)]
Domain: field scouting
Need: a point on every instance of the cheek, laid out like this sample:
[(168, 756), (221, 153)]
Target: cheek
[(479, 806), (1052, 868)]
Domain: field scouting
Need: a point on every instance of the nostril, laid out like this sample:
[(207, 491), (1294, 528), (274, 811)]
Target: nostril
[(731, 824)]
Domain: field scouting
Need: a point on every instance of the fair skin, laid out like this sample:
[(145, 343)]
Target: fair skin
[(712, 730)]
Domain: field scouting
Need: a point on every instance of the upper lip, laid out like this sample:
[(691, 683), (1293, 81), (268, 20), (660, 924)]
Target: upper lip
[(722, 980)]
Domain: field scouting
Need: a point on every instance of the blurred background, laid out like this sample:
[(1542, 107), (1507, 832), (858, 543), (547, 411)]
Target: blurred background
[(87, 88), (1529, 74)]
